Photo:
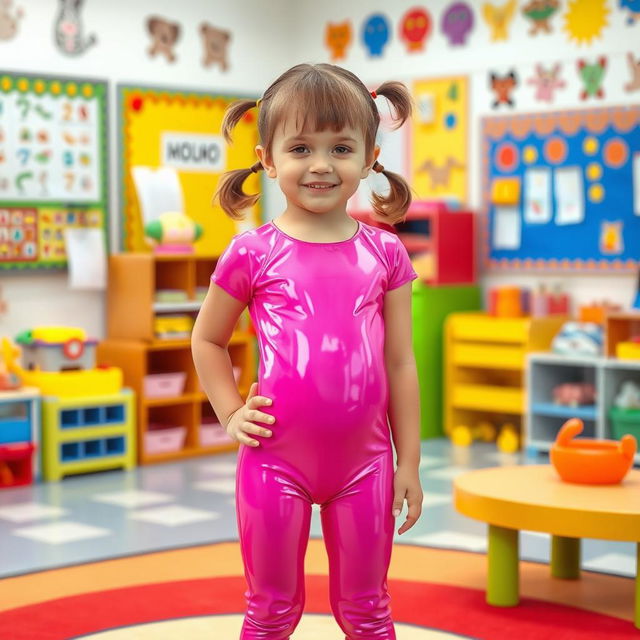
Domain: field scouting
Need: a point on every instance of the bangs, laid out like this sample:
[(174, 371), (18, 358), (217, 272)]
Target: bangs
[(320, 101)]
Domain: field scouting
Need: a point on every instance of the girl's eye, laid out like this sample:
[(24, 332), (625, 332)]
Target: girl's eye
[(340, 149), (300, 149)]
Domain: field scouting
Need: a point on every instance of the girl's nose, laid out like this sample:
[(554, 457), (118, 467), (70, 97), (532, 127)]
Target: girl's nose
[(320, 165)]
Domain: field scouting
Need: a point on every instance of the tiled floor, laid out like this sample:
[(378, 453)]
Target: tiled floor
[(120, 513)]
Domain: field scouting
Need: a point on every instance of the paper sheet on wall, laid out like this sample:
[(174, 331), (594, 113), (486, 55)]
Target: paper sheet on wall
[(537, 195), (158, 191), (87, 258), (507, 228), (636, 184), (569, 194)]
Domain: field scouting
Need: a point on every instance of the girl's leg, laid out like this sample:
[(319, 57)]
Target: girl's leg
[(358, 531), (274, 516)]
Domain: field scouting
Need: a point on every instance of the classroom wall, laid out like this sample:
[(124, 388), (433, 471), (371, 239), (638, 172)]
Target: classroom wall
[(120, 55), (477, 59), (268, 38)]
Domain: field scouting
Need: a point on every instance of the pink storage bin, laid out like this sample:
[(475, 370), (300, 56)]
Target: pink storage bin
[(213, 433), (164, 385), (160, 438)]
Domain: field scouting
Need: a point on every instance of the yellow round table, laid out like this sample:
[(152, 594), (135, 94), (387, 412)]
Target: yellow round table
[(534, 498)]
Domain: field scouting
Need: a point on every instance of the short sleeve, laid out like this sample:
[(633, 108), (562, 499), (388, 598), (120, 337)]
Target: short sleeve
[(401, 270), (233, 271)]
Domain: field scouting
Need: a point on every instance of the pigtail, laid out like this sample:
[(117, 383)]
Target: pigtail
[(398, 95), (392, 207), (230, 194)]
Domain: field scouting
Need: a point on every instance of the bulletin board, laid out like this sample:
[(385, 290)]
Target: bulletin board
[(440, 138), (53, 161), (173, 127), (562, 190)]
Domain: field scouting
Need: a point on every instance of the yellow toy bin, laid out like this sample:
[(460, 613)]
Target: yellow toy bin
[(628, 350)]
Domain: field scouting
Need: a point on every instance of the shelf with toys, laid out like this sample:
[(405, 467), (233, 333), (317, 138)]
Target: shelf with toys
[(150, 318)]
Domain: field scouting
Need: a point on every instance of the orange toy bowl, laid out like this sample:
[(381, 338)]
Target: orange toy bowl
[(589, 461)]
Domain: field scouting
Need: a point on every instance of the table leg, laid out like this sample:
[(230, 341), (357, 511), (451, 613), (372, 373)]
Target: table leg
[(637, 608), (503, 554), (565, 557)]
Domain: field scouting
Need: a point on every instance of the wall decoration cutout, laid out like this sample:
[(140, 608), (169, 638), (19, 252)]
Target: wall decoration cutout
[(163, 127), (457, 23), (540, 12), (376, 32), (592, 76), (547, 82), (581, 189), (585, 20), (214, 45), (439, 151), (53, 153), (9, 19), (164, 35), (69, 33), (634, 68), (337, 38), (503, 88), (633, 6), (415, 29), (499, 18)]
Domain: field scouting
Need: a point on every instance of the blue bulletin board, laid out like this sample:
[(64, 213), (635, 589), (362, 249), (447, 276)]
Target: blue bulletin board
[(561, 190)]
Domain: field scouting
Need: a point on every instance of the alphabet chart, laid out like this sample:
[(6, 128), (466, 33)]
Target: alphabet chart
[(53, 166)]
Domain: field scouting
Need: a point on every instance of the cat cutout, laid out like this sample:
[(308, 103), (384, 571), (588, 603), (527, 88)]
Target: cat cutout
[(499, 19), (337, 38), (69, 36)]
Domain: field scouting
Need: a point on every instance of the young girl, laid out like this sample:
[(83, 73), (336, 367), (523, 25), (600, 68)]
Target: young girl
[(330, 299)]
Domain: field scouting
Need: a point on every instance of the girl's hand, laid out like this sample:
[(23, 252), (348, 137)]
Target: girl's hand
[(406, 485), (241, 420)]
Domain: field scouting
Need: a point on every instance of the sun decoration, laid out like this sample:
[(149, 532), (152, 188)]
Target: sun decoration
[(585, 19)]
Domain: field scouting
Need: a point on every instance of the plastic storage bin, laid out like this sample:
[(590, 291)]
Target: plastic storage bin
[(212, 434), (625, 421), (164, 385), (160, 438), (16, 467)]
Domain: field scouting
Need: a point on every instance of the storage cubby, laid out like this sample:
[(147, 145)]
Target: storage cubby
[(544, 418)]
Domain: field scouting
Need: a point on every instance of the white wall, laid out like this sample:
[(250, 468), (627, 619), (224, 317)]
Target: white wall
[(268, 37), (257, 54)]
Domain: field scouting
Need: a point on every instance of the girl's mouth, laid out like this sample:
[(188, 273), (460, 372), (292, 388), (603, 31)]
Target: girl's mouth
[(317, 186)]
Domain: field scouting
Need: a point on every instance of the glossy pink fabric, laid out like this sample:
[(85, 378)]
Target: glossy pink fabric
[(317, 309)]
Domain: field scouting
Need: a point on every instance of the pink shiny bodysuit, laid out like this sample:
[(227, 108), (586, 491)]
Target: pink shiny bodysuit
[(317, 309)]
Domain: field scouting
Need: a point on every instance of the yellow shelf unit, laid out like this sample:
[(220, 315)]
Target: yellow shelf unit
[(87, 433), (485, 362)]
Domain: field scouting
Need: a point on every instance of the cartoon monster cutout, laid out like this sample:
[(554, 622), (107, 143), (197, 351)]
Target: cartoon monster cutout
[(540, 12), (164, 35), (592, 77), (375, 34), (457, 23), (546, 82), (634, 10), (68, 33), (337, 37), (611, 241), (499, 18), (634, 67), (415, 28), (8, 21), (440, 175), (503, 87), (214, 44)]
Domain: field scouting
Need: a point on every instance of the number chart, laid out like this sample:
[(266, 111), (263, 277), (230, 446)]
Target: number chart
[(53, 166)]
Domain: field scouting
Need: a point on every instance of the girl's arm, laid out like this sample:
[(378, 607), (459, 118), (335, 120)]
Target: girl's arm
[(404, 396), (211, 334)]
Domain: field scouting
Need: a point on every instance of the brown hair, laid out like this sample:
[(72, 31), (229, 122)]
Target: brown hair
[(325, 96)]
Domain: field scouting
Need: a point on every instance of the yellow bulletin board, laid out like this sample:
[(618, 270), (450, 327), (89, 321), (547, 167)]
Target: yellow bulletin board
[(166, 127), (440, 138)]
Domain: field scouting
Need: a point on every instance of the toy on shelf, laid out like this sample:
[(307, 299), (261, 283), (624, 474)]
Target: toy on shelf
[(545, 303), (597, 312), (518, 302), (574, 394), (578, 339), (173, 232), (60, 361), (622, 335), (508, 440), (462, 435), (589, 460)]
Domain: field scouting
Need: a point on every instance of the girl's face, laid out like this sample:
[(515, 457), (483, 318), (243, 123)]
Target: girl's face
[(318, 171)]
